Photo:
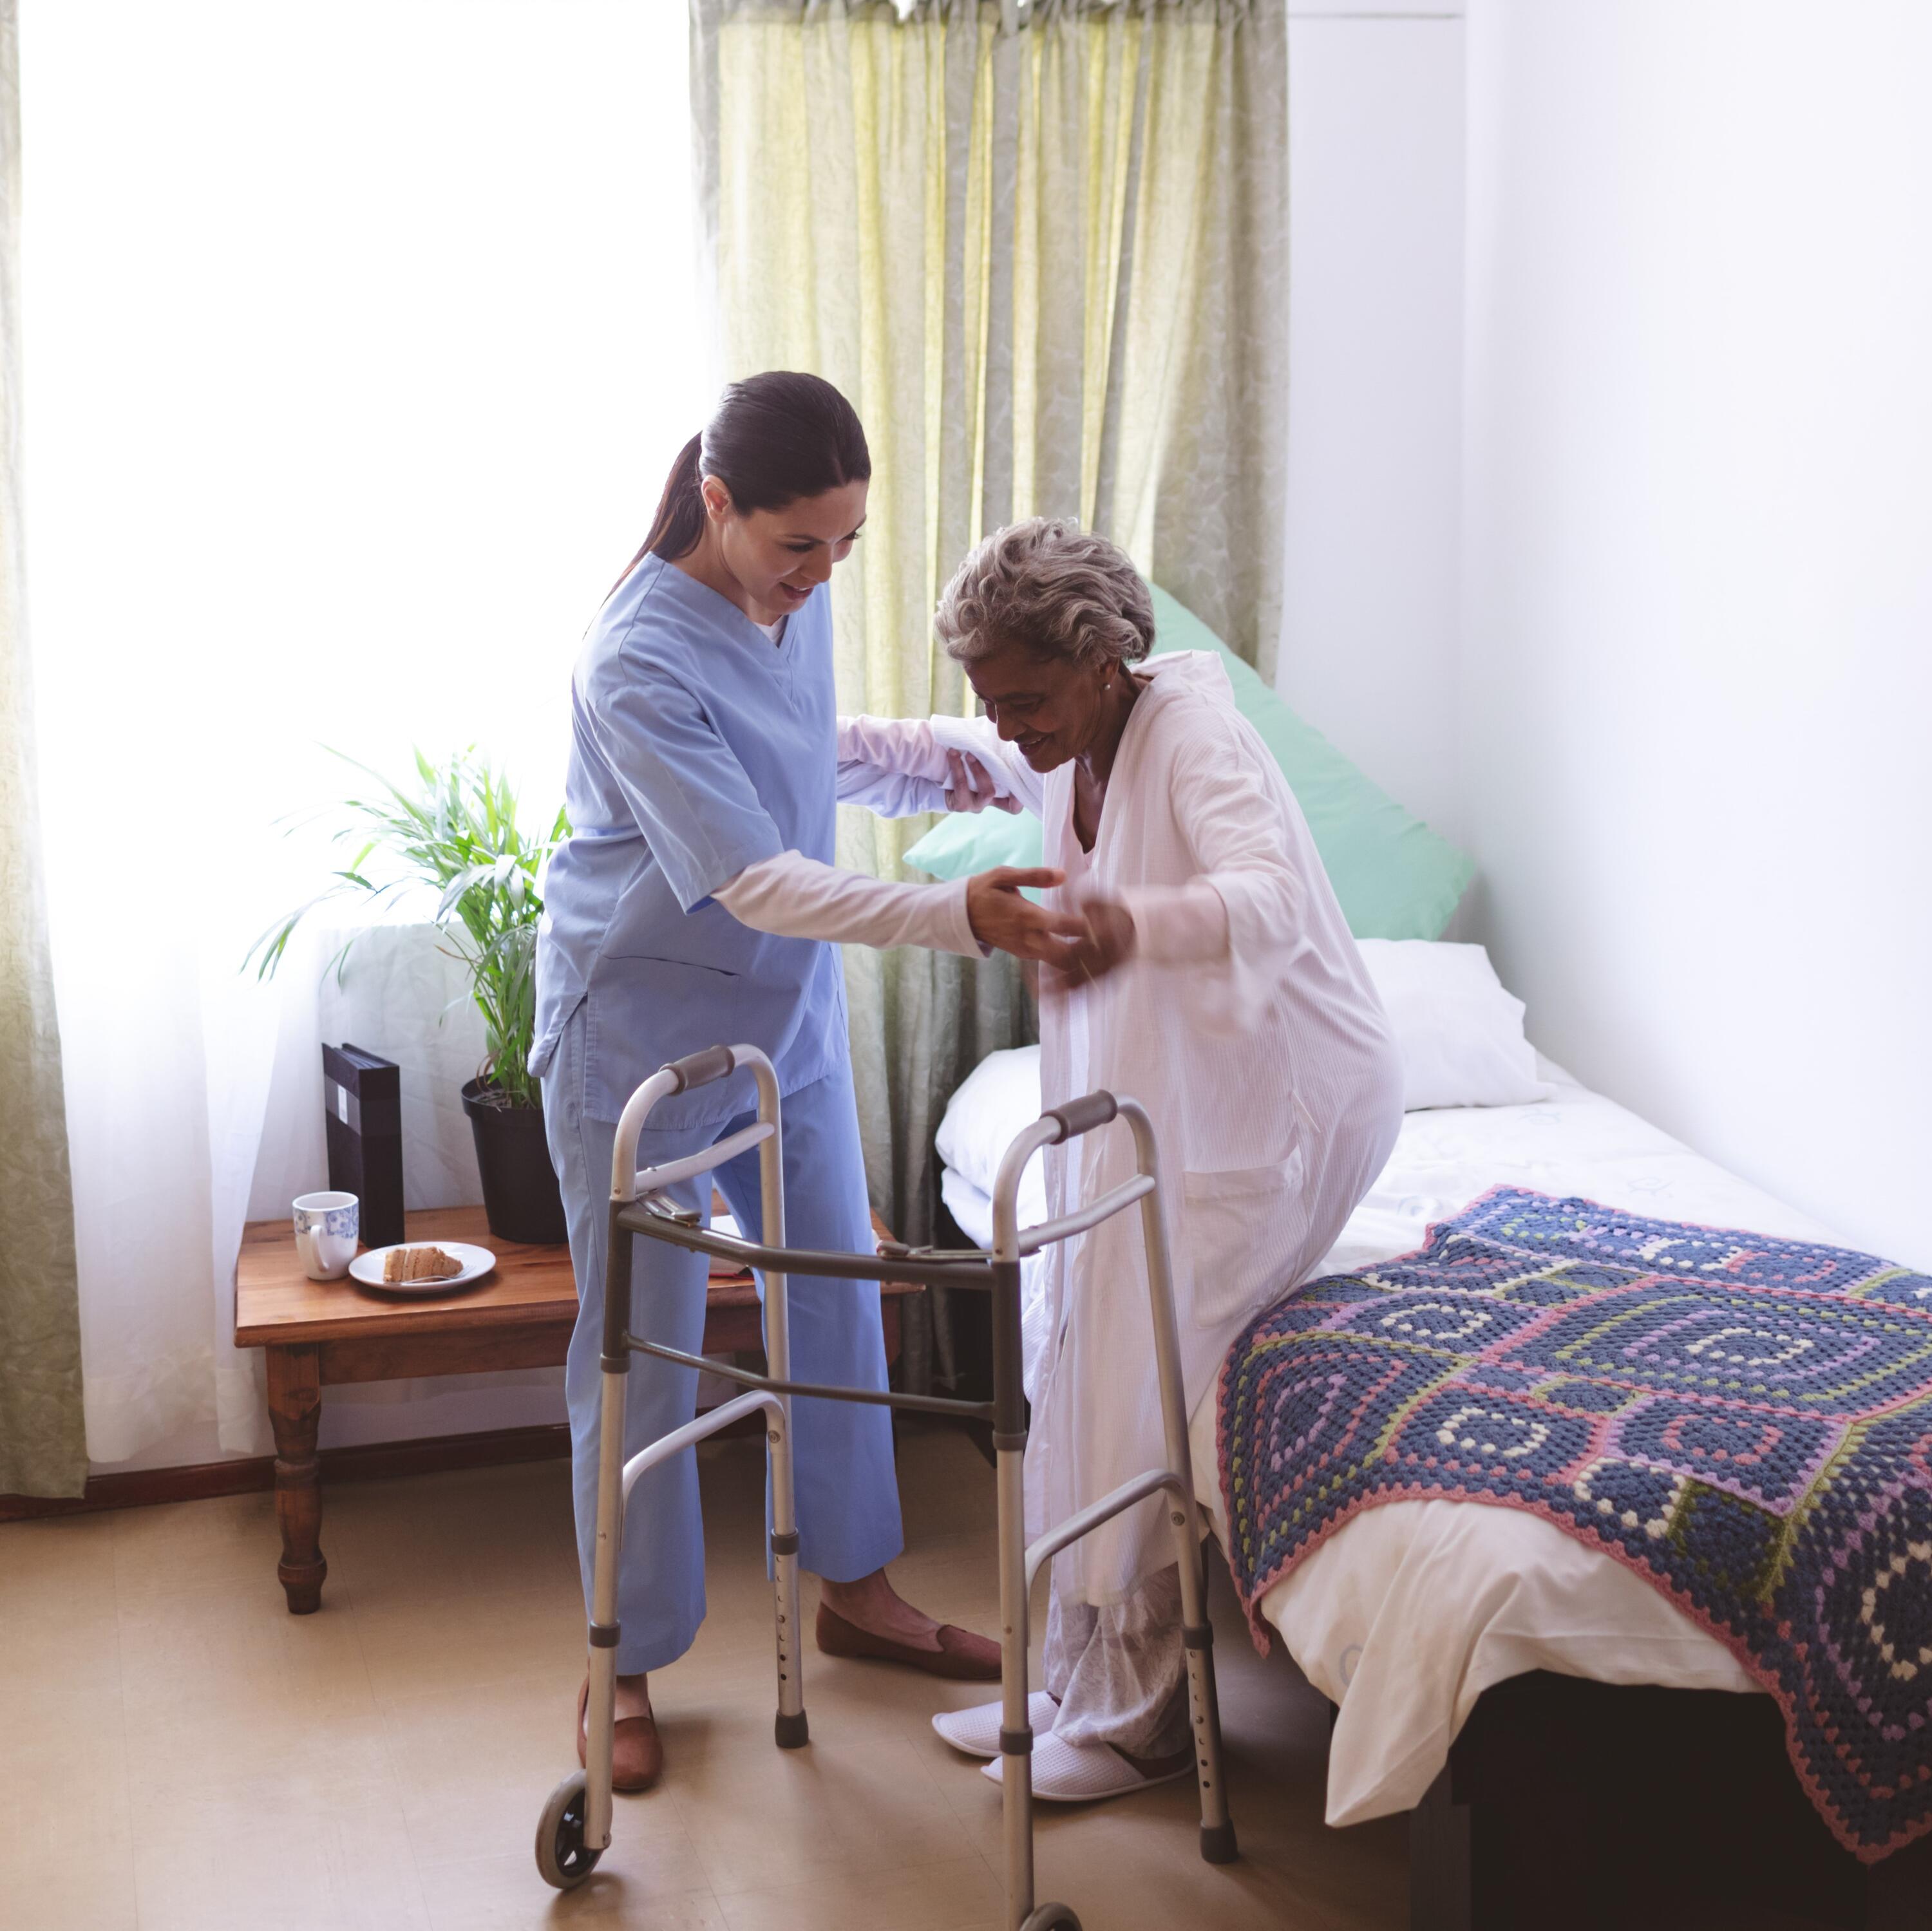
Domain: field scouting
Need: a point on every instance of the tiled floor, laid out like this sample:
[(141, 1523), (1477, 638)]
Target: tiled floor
[(179, 1753)]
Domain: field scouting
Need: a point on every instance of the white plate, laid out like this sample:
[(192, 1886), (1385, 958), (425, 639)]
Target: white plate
[(477, 1261)]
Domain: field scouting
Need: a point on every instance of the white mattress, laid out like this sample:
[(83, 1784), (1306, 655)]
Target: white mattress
[(1405, 1616)]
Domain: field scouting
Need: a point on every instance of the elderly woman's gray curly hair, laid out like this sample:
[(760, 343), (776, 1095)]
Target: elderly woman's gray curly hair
[(1053, 589)]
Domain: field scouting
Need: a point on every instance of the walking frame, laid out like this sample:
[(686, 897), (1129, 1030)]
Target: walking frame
[(575, 1827)]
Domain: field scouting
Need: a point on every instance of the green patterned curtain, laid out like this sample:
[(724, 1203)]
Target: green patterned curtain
[(1046, 261), (42, 1438)]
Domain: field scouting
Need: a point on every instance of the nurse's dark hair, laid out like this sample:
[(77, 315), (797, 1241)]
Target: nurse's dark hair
[(773, 438)]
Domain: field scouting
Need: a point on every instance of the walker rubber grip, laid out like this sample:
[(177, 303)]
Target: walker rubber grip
[(715, 1063), (1082, 1115), (1217, 1843)]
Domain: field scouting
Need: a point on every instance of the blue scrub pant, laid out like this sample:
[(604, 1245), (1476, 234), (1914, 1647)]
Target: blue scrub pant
[(847, 1488)]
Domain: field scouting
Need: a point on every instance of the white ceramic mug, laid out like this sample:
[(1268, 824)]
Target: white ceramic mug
[(325, 1233)]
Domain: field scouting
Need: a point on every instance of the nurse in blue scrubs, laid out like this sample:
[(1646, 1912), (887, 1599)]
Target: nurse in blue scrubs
[(702, 788)]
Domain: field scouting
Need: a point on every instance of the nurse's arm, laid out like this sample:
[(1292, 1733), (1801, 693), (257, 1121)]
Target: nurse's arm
[(799, 897), (896, 767), (891, 766)]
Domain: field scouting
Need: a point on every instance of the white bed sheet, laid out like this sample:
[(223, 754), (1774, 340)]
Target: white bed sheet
[(1405, 1617)]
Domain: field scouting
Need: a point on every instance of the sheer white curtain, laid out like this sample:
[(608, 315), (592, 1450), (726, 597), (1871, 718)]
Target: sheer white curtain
[(358, 338)]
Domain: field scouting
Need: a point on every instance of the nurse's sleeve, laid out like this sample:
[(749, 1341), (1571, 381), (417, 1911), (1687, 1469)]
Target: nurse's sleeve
[(1238, 924), (892, 765), (799, 897), (897, 766), (694, 802)]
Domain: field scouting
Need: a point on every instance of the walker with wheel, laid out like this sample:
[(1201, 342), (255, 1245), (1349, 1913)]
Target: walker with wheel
[(574, 1829)]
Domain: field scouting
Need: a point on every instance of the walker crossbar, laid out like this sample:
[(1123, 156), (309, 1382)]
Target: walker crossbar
[(693, 1432), (643, 1219), (575, 1828), (1044, 1548), (722, 1154), (1032, 1239), (887, 1398)]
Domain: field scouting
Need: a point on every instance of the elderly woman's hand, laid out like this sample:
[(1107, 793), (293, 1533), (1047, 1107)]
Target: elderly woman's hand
[(1106, 939), (970, 787), (1001, 917)]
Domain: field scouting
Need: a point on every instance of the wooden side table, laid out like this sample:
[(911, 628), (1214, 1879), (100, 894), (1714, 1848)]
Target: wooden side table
[(315, 1334)]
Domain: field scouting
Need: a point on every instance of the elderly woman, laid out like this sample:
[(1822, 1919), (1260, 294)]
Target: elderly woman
[(1209, 973)]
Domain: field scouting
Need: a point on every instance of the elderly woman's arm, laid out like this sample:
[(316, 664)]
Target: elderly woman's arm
[(1237, 923)]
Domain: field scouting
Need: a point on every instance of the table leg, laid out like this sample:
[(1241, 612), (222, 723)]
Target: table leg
[(294, 1413)]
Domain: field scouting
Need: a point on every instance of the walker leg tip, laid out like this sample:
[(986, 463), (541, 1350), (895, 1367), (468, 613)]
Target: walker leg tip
[(1217, 1843), (792, 1732)]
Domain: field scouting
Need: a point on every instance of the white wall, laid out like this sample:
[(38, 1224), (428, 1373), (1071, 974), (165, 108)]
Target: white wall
[(1699, 582), (1375, 139)]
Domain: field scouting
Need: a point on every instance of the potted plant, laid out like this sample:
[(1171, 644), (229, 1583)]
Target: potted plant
[(458, 833)]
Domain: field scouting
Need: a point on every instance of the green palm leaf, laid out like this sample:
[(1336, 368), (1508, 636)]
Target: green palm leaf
[(454, 834)]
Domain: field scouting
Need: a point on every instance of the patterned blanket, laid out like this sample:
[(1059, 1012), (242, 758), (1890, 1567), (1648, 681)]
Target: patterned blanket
[(1745, 1422)]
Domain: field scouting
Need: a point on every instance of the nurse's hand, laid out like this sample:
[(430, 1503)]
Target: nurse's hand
[(999, 917), (969, 786)]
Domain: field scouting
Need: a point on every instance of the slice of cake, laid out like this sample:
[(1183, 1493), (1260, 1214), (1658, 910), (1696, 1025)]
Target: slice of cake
[(403, 1264)]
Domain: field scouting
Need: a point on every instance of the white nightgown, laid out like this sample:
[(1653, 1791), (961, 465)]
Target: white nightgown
[(1274, 1086), (1261, 1054)]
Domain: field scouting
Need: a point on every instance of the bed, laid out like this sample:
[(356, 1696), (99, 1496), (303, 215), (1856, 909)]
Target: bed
[(1350, 1615), (1413, 1611)]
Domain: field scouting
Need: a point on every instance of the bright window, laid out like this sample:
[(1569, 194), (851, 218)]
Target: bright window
[(358, 338)]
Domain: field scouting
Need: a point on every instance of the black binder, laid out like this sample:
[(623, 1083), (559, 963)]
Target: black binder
[(363, 1093)]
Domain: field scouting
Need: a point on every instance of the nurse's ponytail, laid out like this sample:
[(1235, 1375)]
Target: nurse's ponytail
[(680, 521), (775, 438)]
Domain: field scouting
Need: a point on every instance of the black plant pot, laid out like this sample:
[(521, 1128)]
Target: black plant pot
[(520, 1199)]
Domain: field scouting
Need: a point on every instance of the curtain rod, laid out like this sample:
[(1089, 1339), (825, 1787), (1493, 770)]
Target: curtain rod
[(1015, 14)]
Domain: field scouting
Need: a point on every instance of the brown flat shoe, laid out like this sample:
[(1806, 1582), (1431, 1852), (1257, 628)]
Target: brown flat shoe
[(636, 1756), (961, 1655)]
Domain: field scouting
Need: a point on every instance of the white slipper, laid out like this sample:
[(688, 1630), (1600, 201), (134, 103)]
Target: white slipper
[(1064, 1773), (977, 1731)]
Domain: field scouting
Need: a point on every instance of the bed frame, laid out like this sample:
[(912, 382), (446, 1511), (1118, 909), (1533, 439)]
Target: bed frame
[(1572, 1803)]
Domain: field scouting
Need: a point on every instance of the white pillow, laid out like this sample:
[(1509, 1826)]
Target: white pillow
[(1460, 1033), (1000, 1095)]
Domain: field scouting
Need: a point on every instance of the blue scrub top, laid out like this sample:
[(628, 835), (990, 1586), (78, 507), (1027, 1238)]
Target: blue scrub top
[(698, 748)]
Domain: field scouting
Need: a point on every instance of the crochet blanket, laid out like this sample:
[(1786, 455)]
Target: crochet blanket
[(1745, 1422)]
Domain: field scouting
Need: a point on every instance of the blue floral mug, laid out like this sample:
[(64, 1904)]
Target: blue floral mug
[(326, 1226)]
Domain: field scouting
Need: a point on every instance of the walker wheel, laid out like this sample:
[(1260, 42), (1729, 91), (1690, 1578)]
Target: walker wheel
[(562, 1857), (1051, 1917)]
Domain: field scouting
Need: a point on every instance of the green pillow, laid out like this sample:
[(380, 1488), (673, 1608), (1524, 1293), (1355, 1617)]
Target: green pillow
[(965, 842), (1394, 877)]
